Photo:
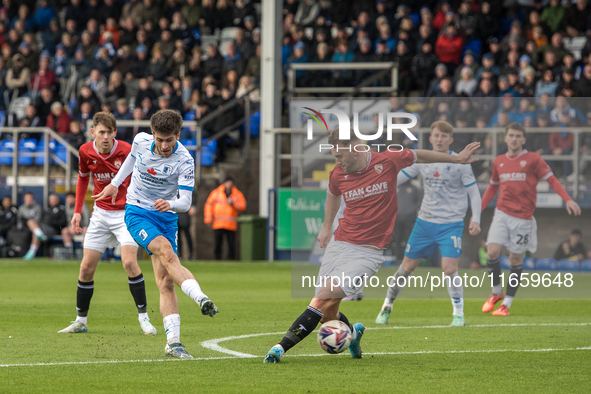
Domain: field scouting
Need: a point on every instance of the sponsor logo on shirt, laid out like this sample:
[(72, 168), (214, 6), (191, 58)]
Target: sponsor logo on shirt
[(436, 175), (513, 176), (104, 176), (167, 170), (152, 171), (523, 163), (117, 163), (377, 188), (379, 168)]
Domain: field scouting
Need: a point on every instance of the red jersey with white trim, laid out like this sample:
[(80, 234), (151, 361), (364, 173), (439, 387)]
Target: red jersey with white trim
[(370, 197), (518, 177), (104, 167)]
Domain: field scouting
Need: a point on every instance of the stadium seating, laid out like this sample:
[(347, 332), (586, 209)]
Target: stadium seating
[(546, 264), (529, 263), (586, 265), (6, 149), (40, 152), (505, 263), (190, 144), (568, 265), (208, 152), (26, 151), (60, 151)]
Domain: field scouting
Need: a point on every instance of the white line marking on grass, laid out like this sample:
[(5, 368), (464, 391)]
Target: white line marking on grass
[(212, 344), (111, 362)]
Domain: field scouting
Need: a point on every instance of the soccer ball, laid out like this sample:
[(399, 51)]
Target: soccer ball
[(334, 336)]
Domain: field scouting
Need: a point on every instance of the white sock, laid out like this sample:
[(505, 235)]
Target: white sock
[(507, 301), (33, 249), (497, 290), (172, 325), (456, 292), (388, 303), (191, 288), (142, 316), (82, 319), (38, 232)]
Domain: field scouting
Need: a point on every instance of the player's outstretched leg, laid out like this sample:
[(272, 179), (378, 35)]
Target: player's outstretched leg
[(392, 294), (84, 291), (137, 287)]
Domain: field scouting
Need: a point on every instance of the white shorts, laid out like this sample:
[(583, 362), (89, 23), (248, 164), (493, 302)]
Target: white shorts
[(106, 230), (351, 264), (518, 235)]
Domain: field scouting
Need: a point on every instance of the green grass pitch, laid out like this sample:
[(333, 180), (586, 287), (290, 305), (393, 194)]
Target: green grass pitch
[(543, 346)]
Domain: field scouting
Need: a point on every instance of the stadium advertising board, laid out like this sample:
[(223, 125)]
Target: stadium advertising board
[(300, 215)]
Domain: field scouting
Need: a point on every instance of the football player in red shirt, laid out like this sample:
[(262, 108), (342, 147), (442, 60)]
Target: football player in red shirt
[(367, 182), (103, 157), (516, 174)]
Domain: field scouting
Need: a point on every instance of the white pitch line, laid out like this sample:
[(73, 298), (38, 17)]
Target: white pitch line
[(112, 362), (213, 344)]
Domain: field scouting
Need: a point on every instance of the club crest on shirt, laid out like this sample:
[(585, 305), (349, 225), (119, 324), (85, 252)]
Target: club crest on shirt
[(501, 165), (117, 163), (167, 170), (523, 163), (346, 176), (379, 168)]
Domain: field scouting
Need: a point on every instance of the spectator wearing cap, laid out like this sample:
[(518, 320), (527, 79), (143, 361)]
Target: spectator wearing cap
[(576, 18), (139, 65), (487, 24), (448, 47), (58, 120), (44, 77), (524, 64), (423, 67), (488, 64), (30, 58), (467, 62), (440, 73), (299, 56), (494, 47), (18, 76), (553, 15), (547, 84), (528, 87), (242, 9), (43, 15)]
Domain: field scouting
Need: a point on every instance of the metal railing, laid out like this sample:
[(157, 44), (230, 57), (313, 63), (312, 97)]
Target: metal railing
[(298, 136), (47, 133), (362, 88)]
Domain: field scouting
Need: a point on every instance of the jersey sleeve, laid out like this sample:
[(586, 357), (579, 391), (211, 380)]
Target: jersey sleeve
[(410, 172), (83, 162), (468, 178), (187, 175), (333, 184), (494, 177), (543, 170), (402, 159)]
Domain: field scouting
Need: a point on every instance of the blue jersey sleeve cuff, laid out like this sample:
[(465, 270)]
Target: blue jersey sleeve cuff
[(189, 188), (473, 183), (406, 173)]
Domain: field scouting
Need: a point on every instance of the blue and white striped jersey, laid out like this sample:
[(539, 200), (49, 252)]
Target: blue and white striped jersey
[(445, 197), (156, 177)]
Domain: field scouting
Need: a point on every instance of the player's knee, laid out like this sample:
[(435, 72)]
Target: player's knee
[(86, 271), (165, 284), (130, 265)]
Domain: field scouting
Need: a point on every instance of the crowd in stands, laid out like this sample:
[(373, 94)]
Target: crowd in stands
[(64, 60)]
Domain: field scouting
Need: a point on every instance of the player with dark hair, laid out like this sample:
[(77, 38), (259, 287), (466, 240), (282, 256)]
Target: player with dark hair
[(516, 174), (161, 185), (367, 182), (103, 158)]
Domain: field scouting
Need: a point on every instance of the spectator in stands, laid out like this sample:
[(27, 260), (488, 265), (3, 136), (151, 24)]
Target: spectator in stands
[(553, 15), (8, 218), (214, 63), (221, 214), (44, 77), (233, 60), (561, 143), (147, 107), (115, 89), (423, 67), (547, 85), (576, 19), (58, 120), (157, 65), (138, 114), (122, 112), (29, 216), (573, 248), (467, 85), (139, 65), (584, 83), (84, 116), (528, 87), (191, 11), (448, 47), (87, 96), (440, 73), (17, 76), (43, 15), (97, 83)]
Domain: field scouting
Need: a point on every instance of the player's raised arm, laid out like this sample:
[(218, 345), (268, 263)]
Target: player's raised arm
[(464, 157), (330, 211)]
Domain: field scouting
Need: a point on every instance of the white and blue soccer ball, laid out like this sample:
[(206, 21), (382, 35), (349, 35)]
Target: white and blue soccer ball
[(334, 336)]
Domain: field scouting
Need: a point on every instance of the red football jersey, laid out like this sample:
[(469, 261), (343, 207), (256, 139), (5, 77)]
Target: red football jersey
[(518, 177), (104, 168), (370, 196)]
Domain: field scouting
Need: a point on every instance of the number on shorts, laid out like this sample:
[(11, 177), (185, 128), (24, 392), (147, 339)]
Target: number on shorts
[(407, 249), (523, 239), (457, 241)]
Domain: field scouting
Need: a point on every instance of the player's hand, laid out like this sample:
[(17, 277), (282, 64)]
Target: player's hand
[(323, 237), (464, 157), (474, 228), (108, 191), (573, 208), (76, 223), (161, 205)]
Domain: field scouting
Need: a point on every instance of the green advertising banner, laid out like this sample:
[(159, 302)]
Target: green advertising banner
[(300, 214)]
